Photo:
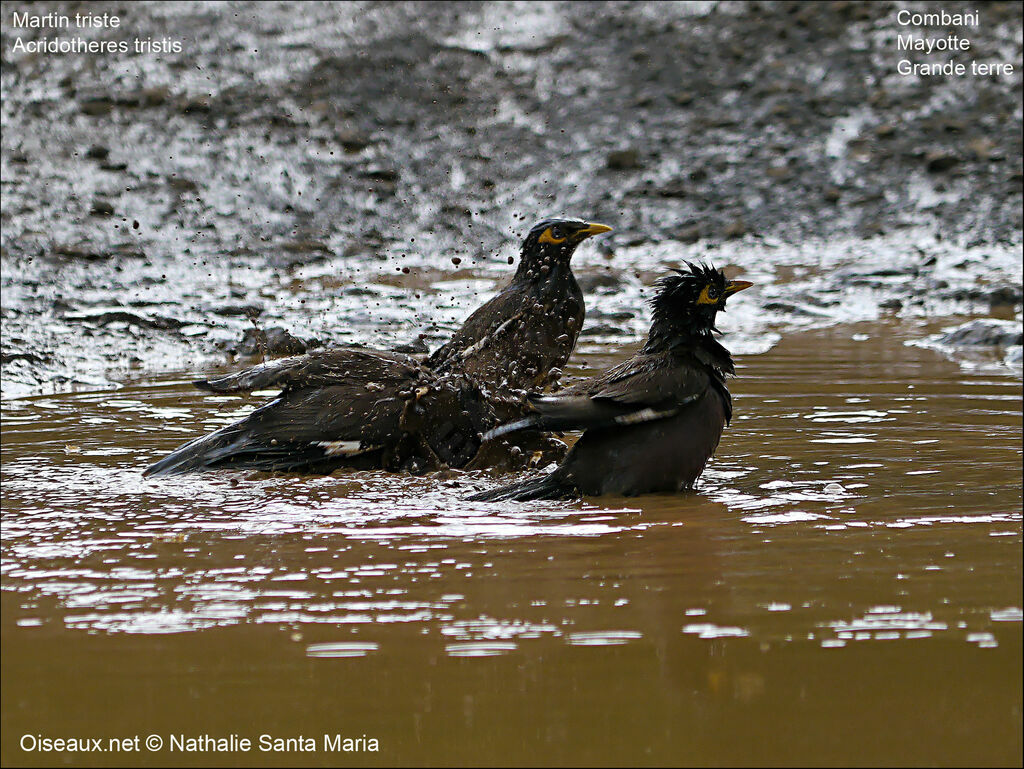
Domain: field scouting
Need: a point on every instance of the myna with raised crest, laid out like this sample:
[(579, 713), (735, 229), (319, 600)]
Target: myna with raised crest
[(651, 423)]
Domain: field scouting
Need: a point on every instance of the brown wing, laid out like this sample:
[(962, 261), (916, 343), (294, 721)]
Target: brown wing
[(341, 365), (516, 338), (643, 389), (491, 318)]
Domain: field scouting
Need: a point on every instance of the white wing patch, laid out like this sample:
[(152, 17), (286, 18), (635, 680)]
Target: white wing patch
[(344, 448), (644, 415), (475, 348)]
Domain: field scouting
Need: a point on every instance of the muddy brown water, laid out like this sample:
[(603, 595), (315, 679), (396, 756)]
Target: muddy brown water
[(843, 588)]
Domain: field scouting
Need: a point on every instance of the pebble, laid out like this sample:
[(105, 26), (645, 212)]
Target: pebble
[(623, 160), (939, 161), (984, 332)]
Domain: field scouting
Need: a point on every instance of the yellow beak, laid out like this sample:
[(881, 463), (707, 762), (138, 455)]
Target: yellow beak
[(592, 228), (736, 285)]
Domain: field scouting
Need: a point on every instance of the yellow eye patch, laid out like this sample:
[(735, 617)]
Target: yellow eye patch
[(547, 237), (709, 295)]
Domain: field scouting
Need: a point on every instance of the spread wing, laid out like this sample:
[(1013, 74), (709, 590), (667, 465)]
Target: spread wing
[(643, 389), (342, 365), (337, 406), (298, 429)]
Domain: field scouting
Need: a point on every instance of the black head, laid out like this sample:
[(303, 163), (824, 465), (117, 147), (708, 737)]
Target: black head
[(688, 300), (552, 241)]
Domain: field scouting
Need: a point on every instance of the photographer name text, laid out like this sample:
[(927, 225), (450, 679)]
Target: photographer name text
[(202, 743)]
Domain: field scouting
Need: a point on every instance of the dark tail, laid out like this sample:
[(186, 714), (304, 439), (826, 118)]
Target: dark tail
[(199, 454), (266, 376), (551, 486), (235, 447)]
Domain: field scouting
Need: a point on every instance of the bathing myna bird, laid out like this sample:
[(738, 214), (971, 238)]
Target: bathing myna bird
[(372, 409), (651, 423), (514, 341), (345, 406)]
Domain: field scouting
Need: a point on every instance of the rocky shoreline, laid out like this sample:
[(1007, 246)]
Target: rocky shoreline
[(362, 173)]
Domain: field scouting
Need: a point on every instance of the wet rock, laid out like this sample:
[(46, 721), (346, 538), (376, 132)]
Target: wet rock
[(601, 329), (882, 277), (630, 239), (190, 105), (416, 347), (272, 341), (985, 332), (605, 247), (975, 294), (599, 314), (1005, 295), (983, 148), (31, 357), (713, 119), (151, 97), (80, 250), (939, 161), (101, 208), (673, 189), (296, 253), (737, 228), (96, 106), (623, 160), (689, 234), (640, 54), (790, 308), (239, 310), (181, 184), (158, 322), (130, 250), (590, 282), (306, 247), (381, 174), (352, 140), (91, 252)]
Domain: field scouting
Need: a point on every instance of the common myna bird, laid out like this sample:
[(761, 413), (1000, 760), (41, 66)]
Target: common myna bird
[(372, 409), (651, 423), (516, 339), (349, 405)]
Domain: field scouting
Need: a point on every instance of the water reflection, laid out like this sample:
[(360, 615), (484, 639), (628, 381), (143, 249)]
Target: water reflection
[(878, 506)]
